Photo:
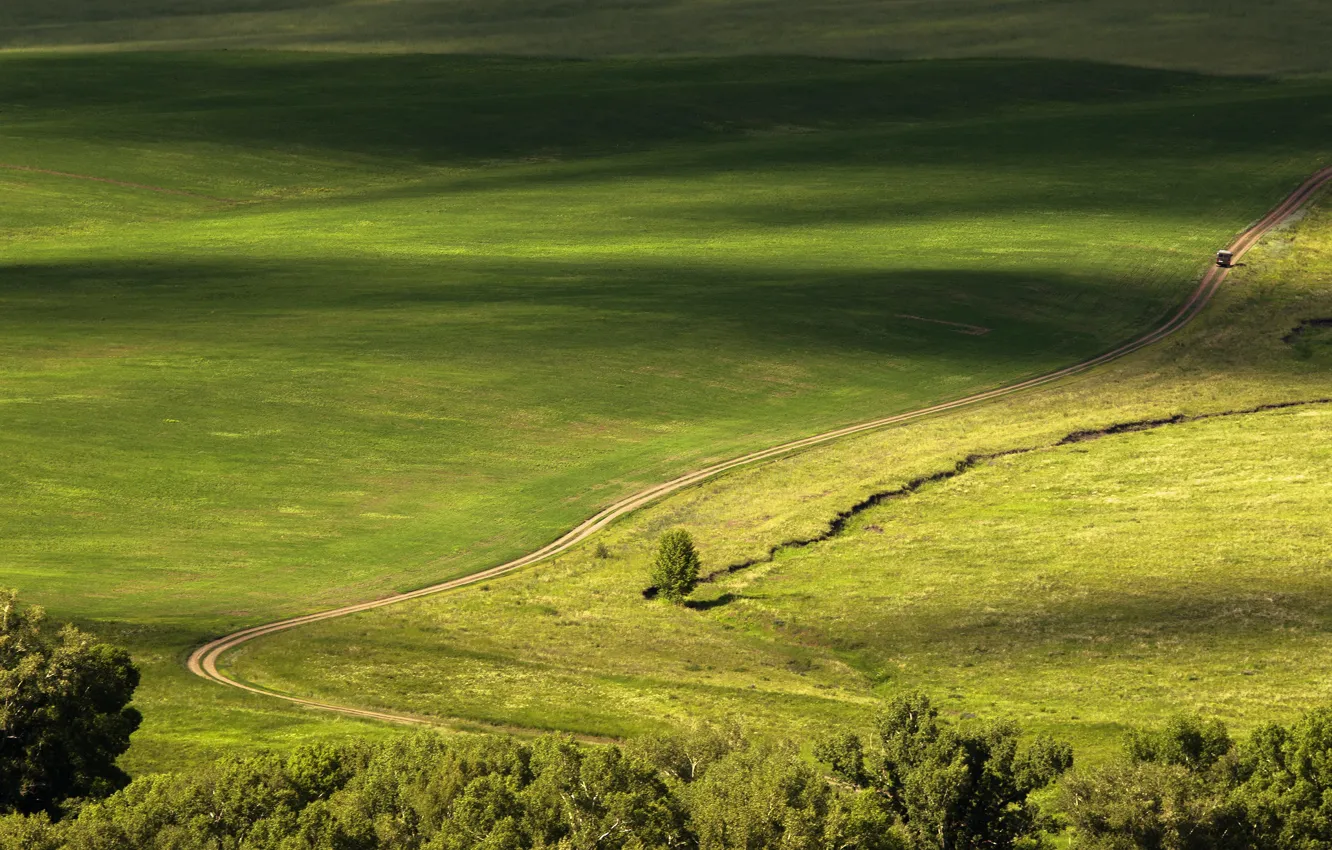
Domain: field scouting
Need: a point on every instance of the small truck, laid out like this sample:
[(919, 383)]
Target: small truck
[(1225, 259)]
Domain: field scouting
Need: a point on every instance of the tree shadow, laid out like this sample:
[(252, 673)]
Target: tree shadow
[(709, 604)]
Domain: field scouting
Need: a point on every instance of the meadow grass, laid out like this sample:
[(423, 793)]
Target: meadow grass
[(1231, 36), (417, 315), (1079, 589)]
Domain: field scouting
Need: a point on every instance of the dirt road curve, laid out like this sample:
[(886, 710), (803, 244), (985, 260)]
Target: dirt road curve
[(203, 661)]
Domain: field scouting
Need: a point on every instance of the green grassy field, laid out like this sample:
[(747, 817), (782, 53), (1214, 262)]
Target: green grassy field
[(1233, 36), (1078, 589), (402, 317)]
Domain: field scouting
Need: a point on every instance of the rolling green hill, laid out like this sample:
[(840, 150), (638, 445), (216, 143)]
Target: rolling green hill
[(1232, 36), (1080, 586), (281, 331)]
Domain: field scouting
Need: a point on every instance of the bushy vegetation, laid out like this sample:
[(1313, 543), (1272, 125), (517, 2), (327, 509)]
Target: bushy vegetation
[(945, 786), (64, 712), (712, 789), (1190, 786), (921, 783)]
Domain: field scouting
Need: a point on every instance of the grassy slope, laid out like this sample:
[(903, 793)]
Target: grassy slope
[(1077, 589), (456, 304), (1213, 35), (339, 390)]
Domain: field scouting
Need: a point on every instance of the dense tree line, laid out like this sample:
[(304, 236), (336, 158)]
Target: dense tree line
[(1191, 786), (709, 789), (918, 782)]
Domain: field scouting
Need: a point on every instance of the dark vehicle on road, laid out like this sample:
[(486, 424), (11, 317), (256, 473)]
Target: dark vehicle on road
[(1225, 259)]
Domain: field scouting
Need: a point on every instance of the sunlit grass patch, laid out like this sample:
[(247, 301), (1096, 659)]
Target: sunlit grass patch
[(1079, 588)]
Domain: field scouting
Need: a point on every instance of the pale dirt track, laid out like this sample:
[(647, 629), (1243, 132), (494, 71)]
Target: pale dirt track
[(203, 661)]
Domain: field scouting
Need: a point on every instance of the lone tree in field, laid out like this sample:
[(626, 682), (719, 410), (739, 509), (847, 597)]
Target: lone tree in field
[(675, 569), (64, 712)]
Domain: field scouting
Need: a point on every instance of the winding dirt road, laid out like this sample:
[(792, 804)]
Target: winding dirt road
[(203, 661)]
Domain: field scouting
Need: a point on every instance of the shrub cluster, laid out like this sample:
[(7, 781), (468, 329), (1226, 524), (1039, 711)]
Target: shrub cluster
[(438, 793), (64, 711), (1190, 786), (938, 785), (710, 789)]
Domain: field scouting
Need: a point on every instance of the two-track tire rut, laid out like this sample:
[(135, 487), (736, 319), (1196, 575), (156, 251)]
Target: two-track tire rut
[(204, 660)]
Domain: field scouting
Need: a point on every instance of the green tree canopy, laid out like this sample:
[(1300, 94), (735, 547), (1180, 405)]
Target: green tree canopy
[(943, 786), (64, 712), (1189, 786), (1172, 790), (675, 569), (919, 782)]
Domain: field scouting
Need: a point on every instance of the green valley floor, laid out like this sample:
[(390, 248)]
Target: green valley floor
[(282, 331), (1079, 586)]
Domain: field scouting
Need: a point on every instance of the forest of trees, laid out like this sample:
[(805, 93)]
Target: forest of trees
[(710, 789), (917, 782)]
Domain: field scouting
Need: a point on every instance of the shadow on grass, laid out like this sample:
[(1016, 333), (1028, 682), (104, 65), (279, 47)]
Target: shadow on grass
[(429, 310), (709, 604), (440, 108), (787, 111), (1156, 618)]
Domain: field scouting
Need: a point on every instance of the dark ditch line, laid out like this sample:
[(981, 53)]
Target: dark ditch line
[(839, 522), (1303, 328)]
